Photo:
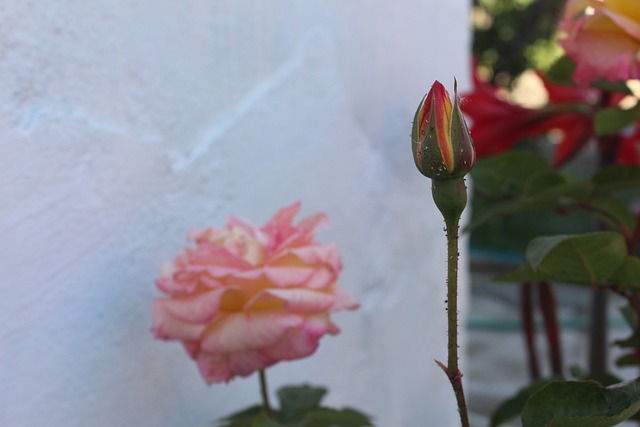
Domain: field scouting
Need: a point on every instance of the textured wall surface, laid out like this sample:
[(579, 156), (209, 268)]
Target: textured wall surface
[(124, 124)]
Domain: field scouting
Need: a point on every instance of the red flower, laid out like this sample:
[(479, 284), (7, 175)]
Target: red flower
[(499, 124), (629, 149)]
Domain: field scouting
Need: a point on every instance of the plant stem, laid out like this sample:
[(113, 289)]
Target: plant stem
[(548, 307), (528, 327), (452, 370), (266, 406)]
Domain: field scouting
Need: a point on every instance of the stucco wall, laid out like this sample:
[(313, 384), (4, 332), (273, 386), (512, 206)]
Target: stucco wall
[(124, 124)]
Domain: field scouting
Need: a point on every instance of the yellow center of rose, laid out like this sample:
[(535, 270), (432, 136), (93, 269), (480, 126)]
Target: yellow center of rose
[(242, 244)]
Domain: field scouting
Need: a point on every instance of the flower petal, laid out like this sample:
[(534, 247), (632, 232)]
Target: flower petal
[(169, 327), (244, 331), (217, 368), (196, 308), (303, 341), (298, 300), (288, 276)]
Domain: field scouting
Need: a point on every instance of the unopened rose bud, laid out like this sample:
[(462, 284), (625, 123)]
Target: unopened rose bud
[(440, 140), (443, 150)]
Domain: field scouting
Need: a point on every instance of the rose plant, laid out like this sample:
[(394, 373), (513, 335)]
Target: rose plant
[(244, 297), (591, 105), (443, 151)]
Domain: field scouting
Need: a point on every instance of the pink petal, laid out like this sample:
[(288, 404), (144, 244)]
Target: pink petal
[(208, 254), (312, 254), (217, 368), (298, 300), (242, 331), (288, 276), (321, 278), (286, 215), (301, 342), (600, 53), (196, 308), (246, 362), (222, 272), (169, 327), (312, 223), (343, 301), (214, 369), (245, 225)]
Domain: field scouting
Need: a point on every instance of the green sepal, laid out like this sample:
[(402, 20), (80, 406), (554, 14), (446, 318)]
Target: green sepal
[(450, 197)]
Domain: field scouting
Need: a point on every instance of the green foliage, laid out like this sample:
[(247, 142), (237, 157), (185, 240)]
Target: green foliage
[(518, 181), (594, 259), (581, 404), (522, 182), (512, 407), (299, 407), (561, 71), (511, 36), (616, 178), (612, 120)]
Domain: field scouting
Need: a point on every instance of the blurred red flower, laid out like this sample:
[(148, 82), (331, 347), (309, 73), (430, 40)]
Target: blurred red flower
[(498, 124)]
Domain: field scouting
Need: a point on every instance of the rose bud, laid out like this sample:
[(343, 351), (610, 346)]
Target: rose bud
[(440, 140)]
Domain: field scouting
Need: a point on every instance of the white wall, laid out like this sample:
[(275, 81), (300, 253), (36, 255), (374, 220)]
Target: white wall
[(124, 124)]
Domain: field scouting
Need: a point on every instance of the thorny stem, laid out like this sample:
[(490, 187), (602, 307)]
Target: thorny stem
[(266, 406), (452, 370)]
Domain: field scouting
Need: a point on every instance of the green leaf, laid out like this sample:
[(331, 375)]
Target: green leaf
[(512, 407), (628, 275), (586, 259), (581, 259), (616, 178), (524, 273), (581, 404), (508, 173), (630, 359), (561, 72), (243, 418), (299, 398), (326, 417), (262, 420), (632, 342), (610, 121), (609, 86), (540, 183), (614, 212)]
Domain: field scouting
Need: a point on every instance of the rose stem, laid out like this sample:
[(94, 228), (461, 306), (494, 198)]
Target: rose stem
[(266, 406), (452, 370)]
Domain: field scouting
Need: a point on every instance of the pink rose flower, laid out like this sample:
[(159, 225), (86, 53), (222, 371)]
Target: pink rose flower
[(603, 38), (246, 297)]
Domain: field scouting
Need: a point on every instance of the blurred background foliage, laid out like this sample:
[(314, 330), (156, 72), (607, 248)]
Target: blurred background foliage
[(511, 36)]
